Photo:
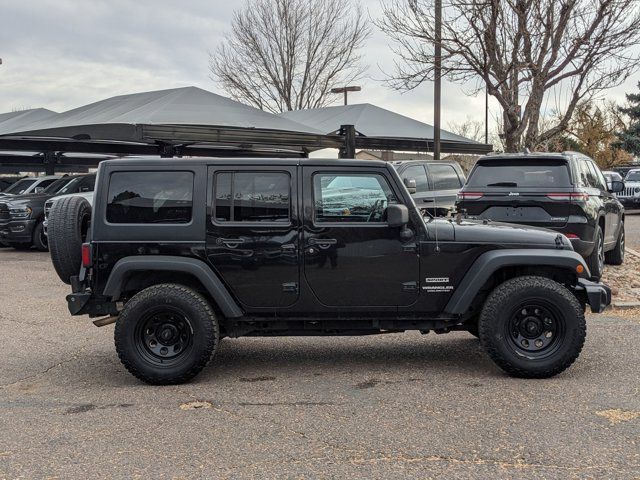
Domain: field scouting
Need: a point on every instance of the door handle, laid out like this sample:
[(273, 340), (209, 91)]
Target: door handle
[(323, 242), (428, 200), (230, 242)]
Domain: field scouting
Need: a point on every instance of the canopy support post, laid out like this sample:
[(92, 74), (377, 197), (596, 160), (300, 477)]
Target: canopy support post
[(349, 148)]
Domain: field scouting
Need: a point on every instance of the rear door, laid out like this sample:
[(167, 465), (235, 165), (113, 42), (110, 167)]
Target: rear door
[(252, 233), (519, 190), (611, 206)]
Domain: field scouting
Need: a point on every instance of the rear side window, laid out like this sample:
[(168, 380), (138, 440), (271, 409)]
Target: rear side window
[(418, 173), (518, 173), (444, 177), (252, 197), (150, 197)]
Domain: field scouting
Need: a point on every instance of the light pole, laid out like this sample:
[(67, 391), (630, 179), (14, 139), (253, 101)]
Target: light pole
[(352, 88), (437, 83)]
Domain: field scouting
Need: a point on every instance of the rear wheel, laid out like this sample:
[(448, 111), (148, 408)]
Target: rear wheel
[(616, 256), (532, 327), (595, 261), (166, 334)]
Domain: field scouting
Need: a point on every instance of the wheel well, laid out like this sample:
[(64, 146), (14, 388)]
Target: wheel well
[(137, 281), (563, 276)]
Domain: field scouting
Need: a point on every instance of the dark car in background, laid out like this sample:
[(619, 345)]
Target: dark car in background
[(22, 216), (565, 192), (433, 184)]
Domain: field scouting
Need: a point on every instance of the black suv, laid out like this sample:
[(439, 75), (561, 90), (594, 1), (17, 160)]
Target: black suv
[(433, 184), (22, 216), (565, 192), (184, 253)]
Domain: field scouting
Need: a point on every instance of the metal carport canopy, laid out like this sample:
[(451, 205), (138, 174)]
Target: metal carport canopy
[(381, 129)]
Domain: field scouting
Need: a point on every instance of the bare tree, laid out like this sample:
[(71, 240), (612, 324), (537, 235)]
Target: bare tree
[(519, 49), (472, 129), (287, 54)]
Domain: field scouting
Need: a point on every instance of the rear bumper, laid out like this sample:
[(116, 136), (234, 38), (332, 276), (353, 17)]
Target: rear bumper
[(17, 231), (598, 295)]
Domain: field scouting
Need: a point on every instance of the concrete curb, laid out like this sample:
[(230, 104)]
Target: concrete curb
[(623, 305), (632, 252)]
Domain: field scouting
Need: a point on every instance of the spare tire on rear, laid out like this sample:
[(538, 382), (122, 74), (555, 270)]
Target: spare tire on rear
[(68, 225)]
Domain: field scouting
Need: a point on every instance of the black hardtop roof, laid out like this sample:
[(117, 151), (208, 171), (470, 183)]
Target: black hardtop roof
[(422, 160), (173, 162)]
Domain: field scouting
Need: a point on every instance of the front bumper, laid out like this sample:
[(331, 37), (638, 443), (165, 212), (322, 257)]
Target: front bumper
[(629, 200), (17, 231), (597, 294)]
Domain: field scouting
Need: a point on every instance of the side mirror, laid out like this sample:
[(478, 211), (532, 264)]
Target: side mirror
[(38, 190), (616, 186), (410, 183), (397, 215)]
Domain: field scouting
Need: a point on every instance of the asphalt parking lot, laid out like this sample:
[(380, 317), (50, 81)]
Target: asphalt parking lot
[(391, 406)]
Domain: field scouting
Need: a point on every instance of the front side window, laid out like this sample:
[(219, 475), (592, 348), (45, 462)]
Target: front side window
[(351, 198), (252, 197), (418, 173), (444, 177), (150, 197)]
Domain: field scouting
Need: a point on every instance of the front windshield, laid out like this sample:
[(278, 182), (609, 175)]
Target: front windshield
[(70, 186), (20, 186), (633, 177), (56, 186)]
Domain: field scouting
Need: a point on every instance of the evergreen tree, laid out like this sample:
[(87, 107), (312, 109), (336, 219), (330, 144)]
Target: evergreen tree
[(630, 137)]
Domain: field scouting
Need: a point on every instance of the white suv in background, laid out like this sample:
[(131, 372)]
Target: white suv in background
[(630, 196)]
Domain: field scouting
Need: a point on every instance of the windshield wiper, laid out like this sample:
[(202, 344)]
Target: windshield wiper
[(502, 184)]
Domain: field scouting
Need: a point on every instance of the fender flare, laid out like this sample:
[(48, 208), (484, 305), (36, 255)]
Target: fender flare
[(489, 262), (192, 266)]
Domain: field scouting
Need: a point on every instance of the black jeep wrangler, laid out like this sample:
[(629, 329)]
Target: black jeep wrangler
[(180, 254)]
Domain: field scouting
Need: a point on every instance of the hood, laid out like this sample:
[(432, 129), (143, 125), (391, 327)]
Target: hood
[(30, 199), (502, 234)]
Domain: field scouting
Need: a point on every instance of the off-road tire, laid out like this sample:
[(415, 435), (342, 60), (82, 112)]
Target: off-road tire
[(69, 221), (205, 334), (594, 261), (511, 296), (39, 238), (616, 256)]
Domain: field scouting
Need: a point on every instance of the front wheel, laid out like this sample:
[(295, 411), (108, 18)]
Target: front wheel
[(532, 327), (40, 238), (166, 334)]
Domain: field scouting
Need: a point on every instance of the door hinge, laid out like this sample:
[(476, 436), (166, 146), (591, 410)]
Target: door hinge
[(291, 287), (410, 286)]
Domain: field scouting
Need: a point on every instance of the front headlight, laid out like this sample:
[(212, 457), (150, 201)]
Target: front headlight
[(20, 212)]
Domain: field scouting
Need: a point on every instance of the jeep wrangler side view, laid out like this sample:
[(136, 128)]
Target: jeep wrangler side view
[(182, 253)]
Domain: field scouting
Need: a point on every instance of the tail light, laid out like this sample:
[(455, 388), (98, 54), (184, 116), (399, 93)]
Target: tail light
[(470, 195), (571, 236), (567, 196), (87, 255)]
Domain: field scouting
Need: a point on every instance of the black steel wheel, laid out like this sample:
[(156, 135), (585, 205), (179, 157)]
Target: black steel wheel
[(166, 334), (532, 327), (535, 329)]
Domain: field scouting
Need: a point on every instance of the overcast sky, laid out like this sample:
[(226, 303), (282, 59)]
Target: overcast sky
[(61, 54)]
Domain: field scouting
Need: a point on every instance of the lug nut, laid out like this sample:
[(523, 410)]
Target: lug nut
[(164, 351), (548, 334), (525, 343), (539, 343)]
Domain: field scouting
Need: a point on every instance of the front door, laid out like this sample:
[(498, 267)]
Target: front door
[(252, 233), (351, 256)]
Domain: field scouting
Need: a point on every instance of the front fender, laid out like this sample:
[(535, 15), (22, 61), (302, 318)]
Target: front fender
[(489, 262)]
